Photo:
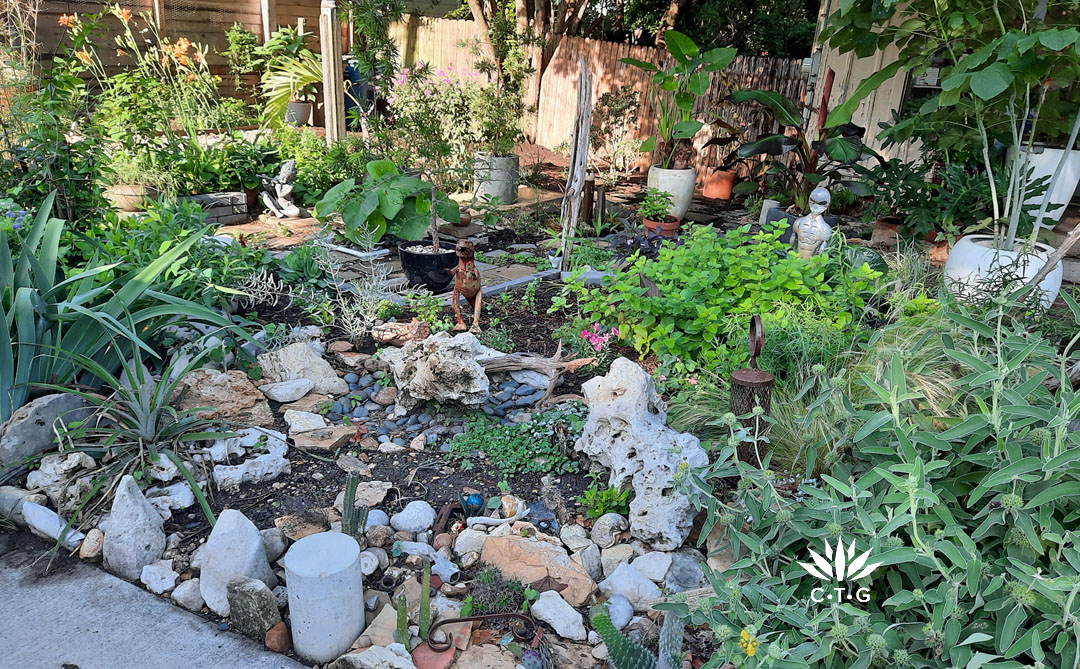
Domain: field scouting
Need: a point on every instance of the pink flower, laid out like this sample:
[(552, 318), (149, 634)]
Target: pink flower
[(663, 378), (427, 91), (615, 331), (585, 333), (597, 347), (692, 381)]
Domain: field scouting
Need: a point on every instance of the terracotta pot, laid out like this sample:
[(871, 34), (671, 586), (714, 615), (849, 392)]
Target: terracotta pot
[(939, 253), (131, 197), (885, 231), (669, 227), (464, 219), (718, 184)]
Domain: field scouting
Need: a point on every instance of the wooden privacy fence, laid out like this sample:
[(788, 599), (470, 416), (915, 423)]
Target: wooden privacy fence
[(446, 44)]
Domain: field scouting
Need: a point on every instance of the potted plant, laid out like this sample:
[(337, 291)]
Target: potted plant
[(291, 76), (1010, 79), (404, 206), (674, 92), (496, 120), (654, 210), (794, 164), (132, 180)]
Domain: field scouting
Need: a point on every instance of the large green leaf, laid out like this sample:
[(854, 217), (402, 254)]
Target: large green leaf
[(991, 81), (843, 112), (640, 64), (686, 129), (681, 47), (773, 145), (719, 58), (784, 110)]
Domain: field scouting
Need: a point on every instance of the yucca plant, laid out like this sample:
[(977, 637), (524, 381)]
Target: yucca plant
[(45, 312), (133, 419)]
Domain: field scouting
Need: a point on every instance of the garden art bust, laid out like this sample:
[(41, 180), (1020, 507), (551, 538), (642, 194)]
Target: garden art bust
[(811, 232)]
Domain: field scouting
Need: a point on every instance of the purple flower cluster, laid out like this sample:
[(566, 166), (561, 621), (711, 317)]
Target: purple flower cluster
[(12, 216)]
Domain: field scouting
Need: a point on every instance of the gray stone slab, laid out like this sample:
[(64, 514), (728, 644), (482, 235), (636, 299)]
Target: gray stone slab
[(82, 616)]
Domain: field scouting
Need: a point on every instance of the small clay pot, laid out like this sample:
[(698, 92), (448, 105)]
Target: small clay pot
[(718, 184), (885, 231), (465, 219), (669, 227), (131, 197)]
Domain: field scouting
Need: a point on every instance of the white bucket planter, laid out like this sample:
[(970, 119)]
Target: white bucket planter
[(974, 259), (298, 113), (326, 595), (1043, 163), (680, 183), (497, 176)]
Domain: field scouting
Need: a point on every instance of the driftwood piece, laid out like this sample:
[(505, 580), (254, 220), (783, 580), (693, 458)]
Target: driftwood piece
[(554, 367), (397, 334), (579, 158)]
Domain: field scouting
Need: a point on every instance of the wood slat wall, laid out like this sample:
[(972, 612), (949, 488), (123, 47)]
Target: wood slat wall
[(446, 44)]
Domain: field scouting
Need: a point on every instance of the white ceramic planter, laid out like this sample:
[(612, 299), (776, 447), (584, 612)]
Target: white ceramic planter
[(326, 595), (497, 176), (680, 183), (974, 259), (1043, 164), (298, 113)]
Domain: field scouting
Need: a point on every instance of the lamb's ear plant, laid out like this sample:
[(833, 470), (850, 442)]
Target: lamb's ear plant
[(970, 510), (625, 653)]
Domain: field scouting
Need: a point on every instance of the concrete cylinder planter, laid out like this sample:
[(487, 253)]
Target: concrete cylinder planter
[(974, 259), (680, 183), (497, 176), (131, 197), (326, 595), (298, 113)]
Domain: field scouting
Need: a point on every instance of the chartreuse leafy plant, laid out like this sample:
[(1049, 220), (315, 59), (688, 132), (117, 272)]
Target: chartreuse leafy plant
[(44, 312), (970, 510), (679, 305), (386, 202)]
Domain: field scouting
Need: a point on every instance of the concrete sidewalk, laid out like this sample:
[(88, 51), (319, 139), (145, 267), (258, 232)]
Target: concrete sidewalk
[(83, 618)]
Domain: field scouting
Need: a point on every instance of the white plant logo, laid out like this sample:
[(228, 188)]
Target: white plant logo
[(842, 565)]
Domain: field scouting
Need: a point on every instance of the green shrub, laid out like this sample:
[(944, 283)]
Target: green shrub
[(716, 277), (320, 167), (969, 509)]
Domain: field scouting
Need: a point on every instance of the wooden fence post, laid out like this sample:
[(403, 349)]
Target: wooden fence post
[(579, 159), (269, 18), (333, 76)]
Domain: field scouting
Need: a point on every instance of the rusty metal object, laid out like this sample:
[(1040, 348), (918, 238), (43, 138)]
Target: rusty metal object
[(444, 515), (527, 633), (752, 387)]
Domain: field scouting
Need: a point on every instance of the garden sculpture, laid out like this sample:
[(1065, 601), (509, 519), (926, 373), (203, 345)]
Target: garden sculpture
[(467, 283), (277, 192), (811, 231)]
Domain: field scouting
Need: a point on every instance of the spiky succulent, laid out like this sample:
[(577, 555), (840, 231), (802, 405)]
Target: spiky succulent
[(624, 653)]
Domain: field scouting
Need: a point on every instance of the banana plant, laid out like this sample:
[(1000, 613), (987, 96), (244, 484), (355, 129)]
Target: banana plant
[(795, 163), (43, 311)]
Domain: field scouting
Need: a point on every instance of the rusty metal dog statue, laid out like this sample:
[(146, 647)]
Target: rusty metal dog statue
[(467, 283)]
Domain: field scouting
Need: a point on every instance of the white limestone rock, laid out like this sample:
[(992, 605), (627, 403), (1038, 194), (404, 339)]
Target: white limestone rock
[(654, 566), (266, 467), (45, 523), (301, 361), (274, 542), (469, 541), (235, 548), (287, 391), (303, 421), (440, 368), (171, 498), (187, 595), (417, 516), (133, 536), (632, 584), (159, 577), (551, 608), (56, 478), (626, 433)]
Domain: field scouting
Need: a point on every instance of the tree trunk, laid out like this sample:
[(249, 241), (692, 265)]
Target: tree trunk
[(485, 30), (670, 17)]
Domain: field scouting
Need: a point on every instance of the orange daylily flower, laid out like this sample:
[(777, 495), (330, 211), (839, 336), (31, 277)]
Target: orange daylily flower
[(199, 58), (183, 60), (84, 56), (182, 45), (121, 52), (124, 14), (66, 20), (191, 76)]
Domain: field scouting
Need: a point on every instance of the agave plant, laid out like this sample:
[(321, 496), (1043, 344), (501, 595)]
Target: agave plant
[(133, 421), (80, 314), (625, 653)]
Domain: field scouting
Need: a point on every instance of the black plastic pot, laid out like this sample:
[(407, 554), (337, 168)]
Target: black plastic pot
[(778, 214), (429, 270)]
